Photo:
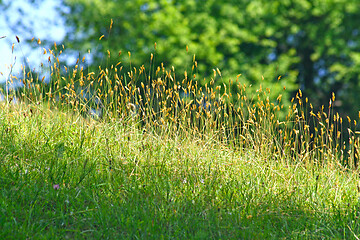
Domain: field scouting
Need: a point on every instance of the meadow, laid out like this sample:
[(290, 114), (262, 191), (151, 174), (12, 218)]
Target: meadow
[(144, 154)]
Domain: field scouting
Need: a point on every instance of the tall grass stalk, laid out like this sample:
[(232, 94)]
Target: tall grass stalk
[(140, 153)]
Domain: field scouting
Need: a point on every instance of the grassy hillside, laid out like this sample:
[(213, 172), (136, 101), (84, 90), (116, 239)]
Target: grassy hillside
[(63, 176), (108, 155)]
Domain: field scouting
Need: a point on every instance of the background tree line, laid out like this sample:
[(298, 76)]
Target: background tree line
[(313, 45)]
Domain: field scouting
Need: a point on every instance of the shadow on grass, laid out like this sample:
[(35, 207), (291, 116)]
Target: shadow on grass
[(45, 194)]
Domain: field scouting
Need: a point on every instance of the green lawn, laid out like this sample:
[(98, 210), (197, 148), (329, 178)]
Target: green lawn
[(65, 176)]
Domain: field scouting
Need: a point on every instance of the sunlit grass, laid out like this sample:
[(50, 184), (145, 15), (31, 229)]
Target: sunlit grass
[(139, 153)]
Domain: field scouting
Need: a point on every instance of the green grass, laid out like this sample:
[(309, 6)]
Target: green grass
[(170, 159), (65, 176)]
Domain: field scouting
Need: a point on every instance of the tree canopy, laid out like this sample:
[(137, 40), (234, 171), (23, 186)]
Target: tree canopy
[(313, 45)]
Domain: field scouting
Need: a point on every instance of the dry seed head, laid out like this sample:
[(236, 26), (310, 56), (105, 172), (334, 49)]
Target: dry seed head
[(319, 115), (338, 134)]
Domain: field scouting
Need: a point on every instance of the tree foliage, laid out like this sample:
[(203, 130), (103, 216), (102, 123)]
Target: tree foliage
[(312, 44), (216, 32)]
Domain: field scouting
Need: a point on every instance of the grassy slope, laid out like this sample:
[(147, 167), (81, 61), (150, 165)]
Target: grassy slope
[(56, 182)]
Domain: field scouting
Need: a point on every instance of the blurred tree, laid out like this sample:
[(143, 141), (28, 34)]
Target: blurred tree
[(325, 36), (313, 44), (217, 32)]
